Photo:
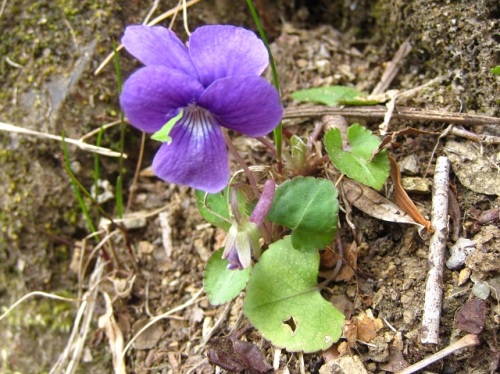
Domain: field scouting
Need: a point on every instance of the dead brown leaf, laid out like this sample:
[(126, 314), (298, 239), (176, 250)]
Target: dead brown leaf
[(402, 198), (367, 326), (375, 205)]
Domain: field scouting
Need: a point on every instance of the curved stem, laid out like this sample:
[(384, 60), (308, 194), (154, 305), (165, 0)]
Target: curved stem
[(244, 166)]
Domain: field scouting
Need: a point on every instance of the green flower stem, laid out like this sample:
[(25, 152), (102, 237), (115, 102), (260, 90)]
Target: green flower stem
[(277, 132)]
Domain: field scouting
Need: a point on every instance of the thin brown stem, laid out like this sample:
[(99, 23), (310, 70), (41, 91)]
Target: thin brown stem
[(250, 175), (377, 112), (268, 144)]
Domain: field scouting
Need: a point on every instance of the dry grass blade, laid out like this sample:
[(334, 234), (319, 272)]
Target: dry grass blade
[(191, 301), (80, 144), (115, 337), (31, 294), (70, 358)]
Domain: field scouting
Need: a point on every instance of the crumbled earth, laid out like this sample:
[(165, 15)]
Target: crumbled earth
[(47, 83)]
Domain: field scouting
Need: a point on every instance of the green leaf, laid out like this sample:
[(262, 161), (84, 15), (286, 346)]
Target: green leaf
[(283, 302), (309, 207), (496, 70), (162, 135), (223, 285), (215, 209), (357, 162), (333, 95)]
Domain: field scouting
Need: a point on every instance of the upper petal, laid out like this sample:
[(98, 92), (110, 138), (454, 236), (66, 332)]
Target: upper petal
[(196, 157), (157, 45), (154, 94), (249, 105), (220, 51)]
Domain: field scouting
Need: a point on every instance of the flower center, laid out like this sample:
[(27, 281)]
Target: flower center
[(199, 121)]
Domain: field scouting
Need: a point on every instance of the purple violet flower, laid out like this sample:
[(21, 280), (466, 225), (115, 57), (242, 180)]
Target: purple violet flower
[(215, 83)]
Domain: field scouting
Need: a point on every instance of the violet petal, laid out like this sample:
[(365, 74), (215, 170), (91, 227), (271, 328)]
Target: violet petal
[(249, 105), (154, 94), (264, 204), (220, 51), (158, 46), (196, 157)]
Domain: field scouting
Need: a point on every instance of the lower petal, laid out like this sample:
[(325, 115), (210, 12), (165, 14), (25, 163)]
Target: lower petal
[(197, 155), (247, 104)]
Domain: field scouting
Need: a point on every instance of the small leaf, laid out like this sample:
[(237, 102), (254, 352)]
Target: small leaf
[(309, 207), (215, 209), (333, 95), (223, 285), (496, 70), (283, 302), (358, 162), (162, 135)]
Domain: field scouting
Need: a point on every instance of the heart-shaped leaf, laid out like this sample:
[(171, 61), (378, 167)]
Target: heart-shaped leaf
[(309, 207), (358, 162), (283, 301)]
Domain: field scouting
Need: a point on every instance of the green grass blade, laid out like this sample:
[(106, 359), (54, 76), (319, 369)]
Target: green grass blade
[(119, 197), (77, 188), (97, 170), (119, 190), (278, 131)]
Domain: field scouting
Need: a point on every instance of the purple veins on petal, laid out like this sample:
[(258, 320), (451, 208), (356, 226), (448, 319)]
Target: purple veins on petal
[(197, 155)]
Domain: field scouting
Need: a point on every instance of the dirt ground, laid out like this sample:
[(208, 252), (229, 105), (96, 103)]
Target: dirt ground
[(50, 50)]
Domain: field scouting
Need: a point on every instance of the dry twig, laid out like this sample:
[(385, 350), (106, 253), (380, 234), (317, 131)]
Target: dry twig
[(469, 340), (434, 286), (79, 143), (392, 68), (377, 112)]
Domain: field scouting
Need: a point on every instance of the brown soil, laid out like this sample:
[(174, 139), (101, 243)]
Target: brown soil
[(47, 84)]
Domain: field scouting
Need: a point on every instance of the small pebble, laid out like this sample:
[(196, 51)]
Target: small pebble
[(464, 276), (481, 290), (459, 253)]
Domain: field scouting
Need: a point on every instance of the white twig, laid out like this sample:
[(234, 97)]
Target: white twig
[(469, 340), (78, 143), (434, 286)]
